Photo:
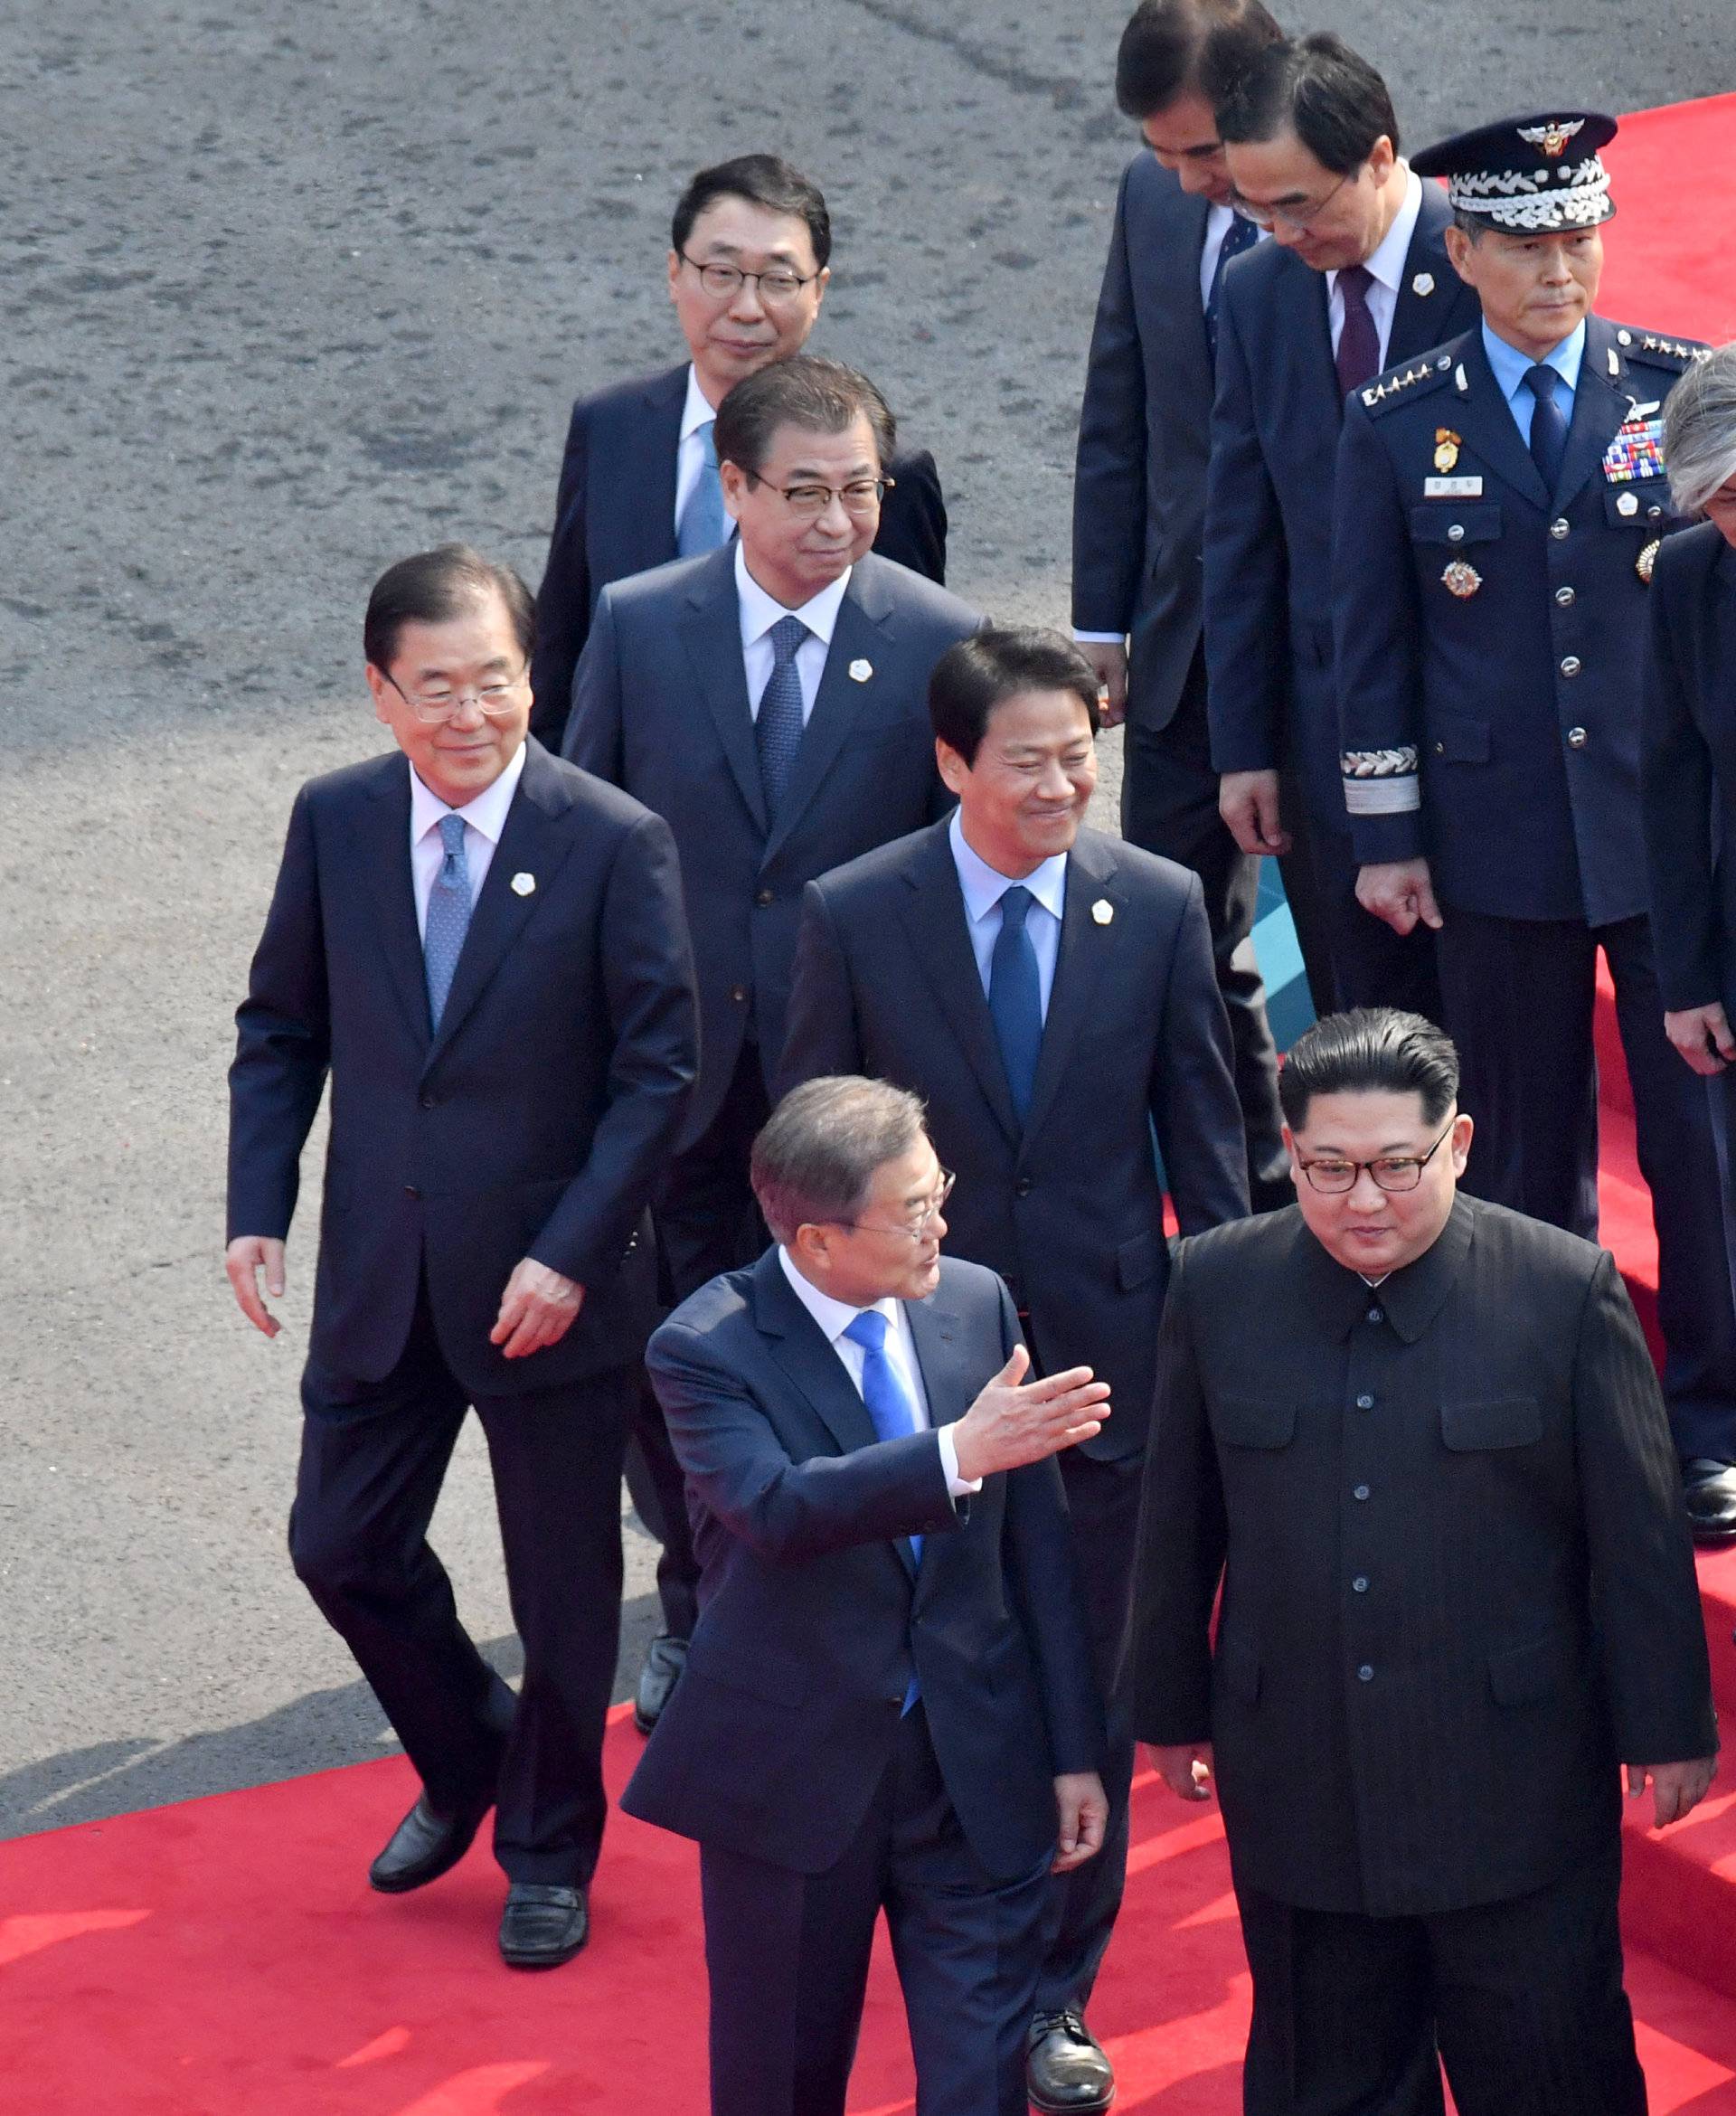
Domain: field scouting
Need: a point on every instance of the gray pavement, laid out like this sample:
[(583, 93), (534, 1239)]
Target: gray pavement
[(290, 292)]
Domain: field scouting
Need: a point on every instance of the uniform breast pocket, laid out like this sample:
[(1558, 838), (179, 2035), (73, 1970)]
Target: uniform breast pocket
[(1254, 1422), (1638, 503), (1453, 523), (1479, 1423)]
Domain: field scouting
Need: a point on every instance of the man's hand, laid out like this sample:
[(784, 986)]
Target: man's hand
[(1083, 1810), (1011, 1425), (245, 1258), (538, 1308), (1701, 1035), (1400, 892), (1108, 660), (1248, 802), (1184, 1768), (1677, 1789)]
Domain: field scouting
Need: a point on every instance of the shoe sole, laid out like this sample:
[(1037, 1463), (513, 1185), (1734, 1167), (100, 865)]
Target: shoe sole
[(1073, 2108)]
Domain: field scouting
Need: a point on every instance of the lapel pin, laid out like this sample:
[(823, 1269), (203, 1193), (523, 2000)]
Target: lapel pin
[(1423, 284), (1102, 910), (523, 885), (860, 671)]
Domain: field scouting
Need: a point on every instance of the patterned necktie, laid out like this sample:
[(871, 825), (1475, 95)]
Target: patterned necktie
[(703, 524), (778, 729), (1358, 358), (890, 1408), (1548, 427), (1016, 998), (1240, 235), (448, 918)]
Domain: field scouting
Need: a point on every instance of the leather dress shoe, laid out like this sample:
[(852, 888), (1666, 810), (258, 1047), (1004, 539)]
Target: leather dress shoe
[(542, 1925), (1066, 2071), (665, 1659), (426, 1845), (1709, 1491)]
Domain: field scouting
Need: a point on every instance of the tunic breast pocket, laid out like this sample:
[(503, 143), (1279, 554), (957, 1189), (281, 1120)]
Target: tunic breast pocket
[(1452, 522), (1491, 1422), (1637, 503), (1254, 1422)]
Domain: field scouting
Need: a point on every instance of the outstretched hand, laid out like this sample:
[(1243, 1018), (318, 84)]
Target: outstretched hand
[(1014, 1421)]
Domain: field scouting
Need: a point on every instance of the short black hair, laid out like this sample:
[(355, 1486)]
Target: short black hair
[(1159, 55), (819, 395), (1329, 96), (434, 586), (763, 180), (1370, 1050), (974, 676)]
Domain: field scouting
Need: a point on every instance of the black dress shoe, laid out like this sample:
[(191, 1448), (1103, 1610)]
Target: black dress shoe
[(1066, 2072), (1709, 1491), (542, 1926), (425, 1844), (665, 1659)]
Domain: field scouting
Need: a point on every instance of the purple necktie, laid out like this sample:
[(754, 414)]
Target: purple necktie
[(1359, 343)]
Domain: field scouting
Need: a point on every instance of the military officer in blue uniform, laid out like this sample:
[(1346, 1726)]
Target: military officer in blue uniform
[(1500, 506)]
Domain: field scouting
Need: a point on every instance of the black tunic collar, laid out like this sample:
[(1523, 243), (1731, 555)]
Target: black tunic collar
[(1410, 1297)]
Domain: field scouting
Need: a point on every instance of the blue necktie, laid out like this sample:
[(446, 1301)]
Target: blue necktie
[(1016, 998), (1548, 427), (703, 524), (1240, 235), (448, 918), (893, 1415), (777, 730)]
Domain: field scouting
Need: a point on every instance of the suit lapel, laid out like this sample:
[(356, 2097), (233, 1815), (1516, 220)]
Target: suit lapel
[(799, 1347), (934, 1333), (382, 828), (861, 634), (935, 921), (648, 496), (1486, 419), (1087, 944), (710, 630), (1600, 406), (1314, 334), (1192, 375), (1420, 321)]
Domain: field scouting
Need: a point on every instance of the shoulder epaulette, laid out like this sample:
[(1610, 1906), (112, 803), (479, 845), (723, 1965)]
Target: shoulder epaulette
[(1413, 381), (1658, 349)]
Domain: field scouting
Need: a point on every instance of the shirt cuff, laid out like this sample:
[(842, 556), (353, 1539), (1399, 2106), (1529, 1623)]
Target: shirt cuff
[(957, 1486), (1100, 638)]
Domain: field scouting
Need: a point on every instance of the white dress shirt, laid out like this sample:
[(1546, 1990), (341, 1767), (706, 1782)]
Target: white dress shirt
[(484, 820), (983, 888), (1386, 271), (689, 448), (834, 1318), (760, 612)]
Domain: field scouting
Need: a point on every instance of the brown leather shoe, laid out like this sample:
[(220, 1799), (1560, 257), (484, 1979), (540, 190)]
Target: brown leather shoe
[(425, 1844), (1066, 2070), (542, 1925)]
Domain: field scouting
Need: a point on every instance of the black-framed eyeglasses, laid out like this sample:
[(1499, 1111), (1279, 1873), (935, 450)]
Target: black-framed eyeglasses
[(495, 699), (724, 282), (916, 1229), (1391, 1172), (1267, 217), (809, 502)]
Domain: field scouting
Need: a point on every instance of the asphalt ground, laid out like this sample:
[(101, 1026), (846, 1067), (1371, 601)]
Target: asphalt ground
[(289, 293)]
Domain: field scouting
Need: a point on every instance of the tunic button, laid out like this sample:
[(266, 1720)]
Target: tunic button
[(1361, 1492), (765, 899), (1359, 1585), (1571, 664), (1364, 1674), (1377, 1315), (1654, 513), (1365, 1402), (1564, 596), (1576, 737), (739, 993), (1455, 535), (1441, 749), (1558, 529)]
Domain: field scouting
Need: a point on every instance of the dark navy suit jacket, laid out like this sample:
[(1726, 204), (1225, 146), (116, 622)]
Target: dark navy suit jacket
[(1068, 1207), (660, 707), (813, 1614), (533, 1124), (1144, 438), (614, 515), (1275, 428)]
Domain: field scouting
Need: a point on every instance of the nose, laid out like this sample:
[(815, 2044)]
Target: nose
[(747, 306), (937, 1226), (1365, 1193), (833, 518), (468, 711)]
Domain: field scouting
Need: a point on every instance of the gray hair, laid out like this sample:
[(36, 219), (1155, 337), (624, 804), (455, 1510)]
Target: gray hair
[(819, 1153), (1700, 430)]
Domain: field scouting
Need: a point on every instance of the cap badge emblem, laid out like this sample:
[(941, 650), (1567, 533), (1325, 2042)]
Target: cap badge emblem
[(1461, 580), (1552, 138)]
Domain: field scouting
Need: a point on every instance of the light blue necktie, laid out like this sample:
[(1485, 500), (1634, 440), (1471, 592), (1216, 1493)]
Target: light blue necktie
[(703, 524), (893, 1415), (1016, 998), (448, 918), (778, 729)]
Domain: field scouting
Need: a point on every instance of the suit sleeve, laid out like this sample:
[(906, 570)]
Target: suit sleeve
[(1109, 468), (1247, 573), (283, 1045), (564, 601), (822, 1036), (1679, 800), (594, 733), (1376, 628), (1179, 1557), (913, 520), (1645, 1596), (1193, 1101), (653, 1020)]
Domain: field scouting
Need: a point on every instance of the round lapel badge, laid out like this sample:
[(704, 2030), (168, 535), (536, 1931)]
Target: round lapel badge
[(523, 884)]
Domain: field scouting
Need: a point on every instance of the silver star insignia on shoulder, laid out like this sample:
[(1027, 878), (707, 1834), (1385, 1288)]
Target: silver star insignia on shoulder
[(523, 885), (860, 671)]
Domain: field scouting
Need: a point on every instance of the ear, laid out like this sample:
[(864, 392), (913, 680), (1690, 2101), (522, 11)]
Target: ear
[(955, 773), (381, 693), (675, 272), (734, 481), (1463, 1128), (813, 1245), (1461, 250), (820, 286), (1382, 156)]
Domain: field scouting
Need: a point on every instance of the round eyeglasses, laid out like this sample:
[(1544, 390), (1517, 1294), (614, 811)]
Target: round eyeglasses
[(775, 287)]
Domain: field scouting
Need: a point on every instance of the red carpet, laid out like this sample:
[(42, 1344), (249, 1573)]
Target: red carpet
[(225, 1957)]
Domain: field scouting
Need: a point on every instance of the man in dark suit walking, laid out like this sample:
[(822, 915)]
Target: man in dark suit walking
[(890, 1701), (1049, 993), (748, 266), (456, 926), (1418, 1443), (1139, 506), (1354, 277)]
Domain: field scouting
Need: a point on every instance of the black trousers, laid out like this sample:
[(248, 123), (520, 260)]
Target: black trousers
[(1519, 996), (1103, 1501), (788, 1954), (373, 1456), (1521, 2000)]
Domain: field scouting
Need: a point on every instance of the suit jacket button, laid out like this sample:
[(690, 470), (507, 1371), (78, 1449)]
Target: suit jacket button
[(428, 1098), (739, 993), (764, 898), (1576, 737), (1558, 529), (1359, 1585), (1564, 596), (410, 1190), (1364, 1674), (1571, 664), (1361, 1492), (1022, 1188), (1365, 1402)]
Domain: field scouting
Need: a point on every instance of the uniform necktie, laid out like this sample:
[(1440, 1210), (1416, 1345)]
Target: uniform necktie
[(890, 1408), (1358, 358), (703, 524), (448, 918), (777, 730), (1548, 427), (1016, 998), (1240, 235)]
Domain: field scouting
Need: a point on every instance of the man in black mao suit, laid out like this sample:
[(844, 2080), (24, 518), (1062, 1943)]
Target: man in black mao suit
[(902, 971), (1417, 1442), (747, 270), (1139, 506), (456, 926), (889, 1702), (1354, 277)]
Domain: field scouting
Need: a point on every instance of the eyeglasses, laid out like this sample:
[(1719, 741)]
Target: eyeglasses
[(1391, 1172), (916, 1229), (809, 502), (495, 699), (1267, 217), (775, 287)]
